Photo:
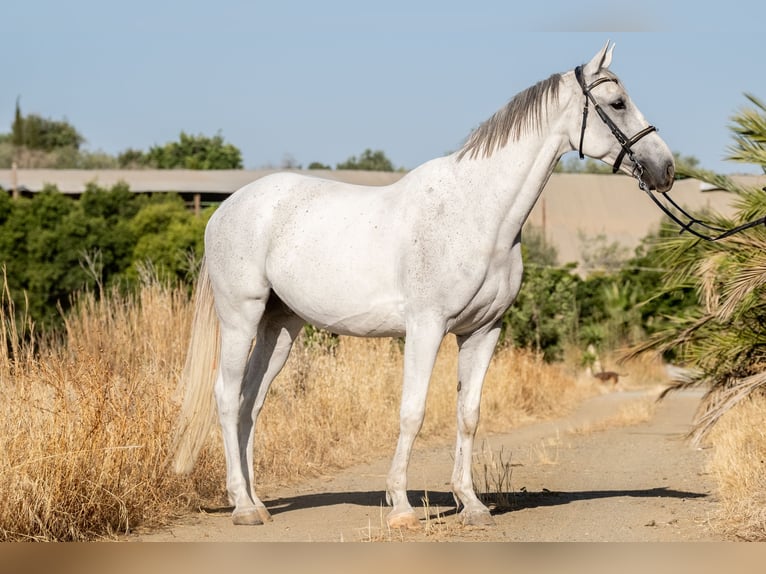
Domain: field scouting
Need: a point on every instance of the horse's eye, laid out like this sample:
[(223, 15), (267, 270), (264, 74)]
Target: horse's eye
[(618, 105)]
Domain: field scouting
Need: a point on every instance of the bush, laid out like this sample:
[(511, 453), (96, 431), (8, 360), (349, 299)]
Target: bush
[(52, 246)]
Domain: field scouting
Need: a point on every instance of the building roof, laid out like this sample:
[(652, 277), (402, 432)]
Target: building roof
[(225, 182)]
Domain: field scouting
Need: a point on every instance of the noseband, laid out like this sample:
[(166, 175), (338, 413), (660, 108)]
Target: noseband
[(625, 142)]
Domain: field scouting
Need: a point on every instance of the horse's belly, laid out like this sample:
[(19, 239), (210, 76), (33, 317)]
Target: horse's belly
[(344, 294), (345, 313)]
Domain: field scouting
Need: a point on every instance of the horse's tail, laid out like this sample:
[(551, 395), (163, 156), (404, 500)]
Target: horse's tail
[(197, 414)]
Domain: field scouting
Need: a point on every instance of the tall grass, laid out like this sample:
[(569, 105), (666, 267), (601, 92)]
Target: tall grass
[(738, 464), (86, 419)]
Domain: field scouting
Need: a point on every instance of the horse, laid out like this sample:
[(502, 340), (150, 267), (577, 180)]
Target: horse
[(436, 253)]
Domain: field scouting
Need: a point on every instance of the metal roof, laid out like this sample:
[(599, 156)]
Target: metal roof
[(74, 181)]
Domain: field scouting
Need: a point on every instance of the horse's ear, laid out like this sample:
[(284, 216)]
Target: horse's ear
[(601, 60)]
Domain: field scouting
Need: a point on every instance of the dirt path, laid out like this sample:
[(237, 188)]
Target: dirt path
[(635, 483)]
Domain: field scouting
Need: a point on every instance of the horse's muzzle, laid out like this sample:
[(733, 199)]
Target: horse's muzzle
[(660, 178)]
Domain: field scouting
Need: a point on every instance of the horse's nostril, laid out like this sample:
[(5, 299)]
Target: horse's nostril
[(671, 171)]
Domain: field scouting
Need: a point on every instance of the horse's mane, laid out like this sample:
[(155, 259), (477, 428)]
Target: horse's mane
[(523, 113)]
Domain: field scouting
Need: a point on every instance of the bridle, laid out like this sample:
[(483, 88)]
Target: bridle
[(626, 144)]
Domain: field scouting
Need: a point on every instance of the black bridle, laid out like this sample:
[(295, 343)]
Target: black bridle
[(626, 144)]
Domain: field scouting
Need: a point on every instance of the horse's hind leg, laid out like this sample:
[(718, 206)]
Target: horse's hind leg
[(276, 333), (237, 394)]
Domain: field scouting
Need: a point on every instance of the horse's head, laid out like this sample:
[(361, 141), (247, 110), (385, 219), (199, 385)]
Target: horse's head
[(618, 135)]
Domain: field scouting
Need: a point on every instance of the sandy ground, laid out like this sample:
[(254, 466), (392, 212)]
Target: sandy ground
[(635, 483)]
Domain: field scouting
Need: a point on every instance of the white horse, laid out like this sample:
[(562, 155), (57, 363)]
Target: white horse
[(437, 252)]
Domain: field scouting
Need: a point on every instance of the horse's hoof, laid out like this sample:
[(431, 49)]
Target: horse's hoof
[(477, 518), (407, 520), (264, 514), (251, 517)]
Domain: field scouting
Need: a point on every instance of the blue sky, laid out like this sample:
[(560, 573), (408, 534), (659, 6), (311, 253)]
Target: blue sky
[(321, 81)]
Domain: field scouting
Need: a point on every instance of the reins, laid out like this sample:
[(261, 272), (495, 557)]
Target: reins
[(692, 221), (626, 144)]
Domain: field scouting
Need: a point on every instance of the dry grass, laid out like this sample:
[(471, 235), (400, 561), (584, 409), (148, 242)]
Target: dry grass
[(738, 463), (86, 421), (83, 422)]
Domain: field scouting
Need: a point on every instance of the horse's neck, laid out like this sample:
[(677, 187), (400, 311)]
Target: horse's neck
[(512, 178)]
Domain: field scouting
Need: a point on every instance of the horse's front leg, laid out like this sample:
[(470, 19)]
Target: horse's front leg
[(420, 350), (474, 355)]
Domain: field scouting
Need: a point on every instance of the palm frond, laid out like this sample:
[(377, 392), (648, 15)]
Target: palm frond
[(723, 341), (722, 397)]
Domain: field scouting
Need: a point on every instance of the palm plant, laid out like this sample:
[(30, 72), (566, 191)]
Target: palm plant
[(723, 339)]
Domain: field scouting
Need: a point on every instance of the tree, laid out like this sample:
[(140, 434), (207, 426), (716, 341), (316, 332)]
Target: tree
[(53, 246), (192, 152), (599, 254), (543, 316), (17, 129), (535, 248), (38, 133), (38, 142), (131, 158), (368, 161), (723, 337), (169, 238), (573, 164)]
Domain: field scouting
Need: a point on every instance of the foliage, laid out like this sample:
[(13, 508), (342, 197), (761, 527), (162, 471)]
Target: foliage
[(189, 152), (600, 255), (723, 338), (618, 302), (17, 129), (749, 129), (38, 133), (131, 159), (368, 161), (62, 158), (543, 316), (573, 164), (53, 246), (38, 142), (169, 238)]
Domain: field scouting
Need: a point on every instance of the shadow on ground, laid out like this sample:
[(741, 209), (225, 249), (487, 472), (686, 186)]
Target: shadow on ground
[(499, 503)]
